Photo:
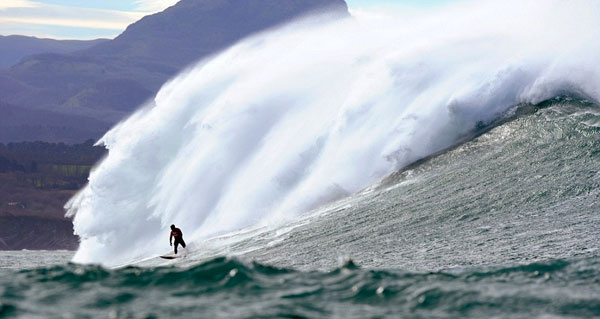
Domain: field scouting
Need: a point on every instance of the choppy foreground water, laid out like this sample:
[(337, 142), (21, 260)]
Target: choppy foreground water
[(229, 288), (506, 225)]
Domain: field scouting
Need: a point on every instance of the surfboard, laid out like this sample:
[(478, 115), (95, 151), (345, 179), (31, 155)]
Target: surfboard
[(169, 257)]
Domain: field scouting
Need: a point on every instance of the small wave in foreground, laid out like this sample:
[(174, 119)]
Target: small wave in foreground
[(232, 288)]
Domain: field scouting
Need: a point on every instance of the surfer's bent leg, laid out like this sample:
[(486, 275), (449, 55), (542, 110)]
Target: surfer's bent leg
[(175, 246), (182, 243)]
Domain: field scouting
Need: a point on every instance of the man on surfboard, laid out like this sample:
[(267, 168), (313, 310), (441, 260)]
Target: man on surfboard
[(176, 232)]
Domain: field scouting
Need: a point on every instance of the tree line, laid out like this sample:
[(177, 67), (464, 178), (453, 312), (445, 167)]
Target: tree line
[(49, 165), (29, 156)]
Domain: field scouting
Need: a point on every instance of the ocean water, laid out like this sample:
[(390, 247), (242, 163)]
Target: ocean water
[(442, 238), (421, 174), (229, 288), (25, 259)]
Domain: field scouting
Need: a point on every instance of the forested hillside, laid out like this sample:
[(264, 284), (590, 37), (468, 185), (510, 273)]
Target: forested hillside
[(36, 180)]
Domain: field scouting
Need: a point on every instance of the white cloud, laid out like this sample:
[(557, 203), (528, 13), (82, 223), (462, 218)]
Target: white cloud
[(84, 22), (27, 13), (6, 4), (363, 14), (154, 5)]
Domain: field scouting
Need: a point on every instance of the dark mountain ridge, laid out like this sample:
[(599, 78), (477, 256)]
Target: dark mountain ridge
[(192, 29), (109, 80), (22, 124), (13, 48)]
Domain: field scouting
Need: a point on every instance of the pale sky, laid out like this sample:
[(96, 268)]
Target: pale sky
[(91, 19)]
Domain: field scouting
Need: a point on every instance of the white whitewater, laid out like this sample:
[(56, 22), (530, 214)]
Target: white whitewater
[(293, 118)]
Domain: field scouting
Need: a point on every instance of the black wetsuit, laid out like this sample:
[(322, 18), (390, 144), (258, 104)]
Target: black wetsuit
[(178, 238)]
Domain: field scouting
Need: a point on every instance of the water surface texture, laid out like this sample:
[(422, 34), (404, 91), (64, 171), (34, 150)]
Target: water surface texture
[(395, 171)]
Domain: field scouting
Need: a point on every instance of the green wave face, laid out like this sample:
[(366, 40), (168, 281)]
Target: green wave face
[(523, 191)]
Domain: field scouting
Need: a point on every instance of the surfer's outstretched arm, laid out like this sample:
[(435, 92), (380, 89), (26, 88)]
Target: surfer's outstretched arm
[(171, 239)]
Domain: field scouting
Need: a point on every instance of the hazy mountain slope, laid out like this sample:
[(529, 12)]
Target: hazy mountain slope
[(113, 78), (22, 124), (193, 28), (15, 47)]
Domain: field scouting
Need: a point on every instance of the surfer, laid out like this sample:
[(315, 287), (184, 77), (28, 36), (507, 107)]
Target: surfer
[(176, 232)]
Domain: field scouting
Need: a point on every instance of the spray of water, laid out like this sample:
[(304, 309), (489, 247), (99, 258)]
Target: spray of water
[(293, 118)]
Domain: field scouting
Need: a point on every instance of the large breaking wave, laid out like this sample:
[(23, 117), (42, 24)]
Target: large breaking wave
[(293, 118)]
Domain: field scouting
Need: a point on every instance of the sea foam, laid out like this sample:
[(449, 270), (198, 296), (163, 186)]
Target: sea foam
[(289, 119)]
